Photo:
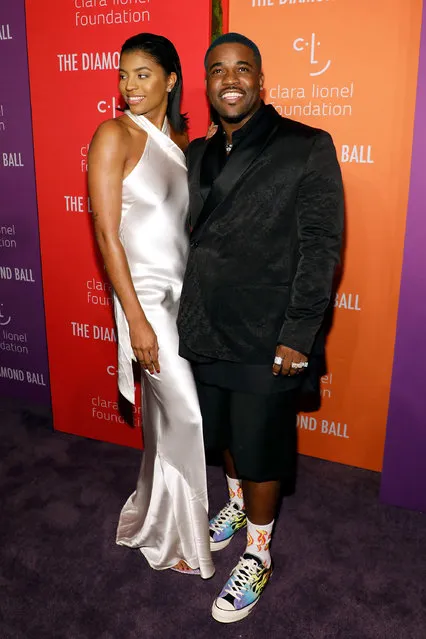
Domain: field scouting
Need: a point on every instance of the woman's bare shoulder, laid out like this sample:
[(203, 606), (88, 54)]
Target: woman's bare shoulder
[(111, 132)]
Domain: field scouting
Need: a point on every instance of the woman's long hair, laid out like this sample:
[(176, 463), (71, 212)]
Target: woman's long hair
[(165, 54)]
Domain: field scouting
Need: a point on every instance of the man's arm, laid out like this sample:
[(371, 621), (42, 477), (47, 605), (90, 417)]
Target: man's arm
[(320, 213), (194, 148)]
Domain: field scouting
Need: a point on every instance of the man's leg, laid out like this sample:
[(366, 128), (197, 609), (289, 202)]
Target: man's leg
[(214, 406), (215, 410), (262, 427), (261, 500), (235, 488), (261, 508)]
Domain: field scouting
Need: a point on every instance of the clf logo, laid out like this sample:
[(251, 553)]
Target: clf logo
[(4, 319), (109, 106), (311, 45)]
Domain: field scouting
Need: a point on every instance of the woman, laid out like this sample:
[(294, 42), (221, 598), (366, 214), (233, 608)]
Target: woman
[(139, 196)]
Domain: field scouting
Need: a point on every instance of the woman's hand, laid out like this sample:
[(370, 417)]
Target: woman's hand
[(145, 345)]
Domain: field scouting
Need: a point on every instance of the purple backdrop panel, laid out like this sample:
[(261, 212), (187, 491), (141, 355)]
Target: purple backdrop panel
[(23, 356), (404, 468)]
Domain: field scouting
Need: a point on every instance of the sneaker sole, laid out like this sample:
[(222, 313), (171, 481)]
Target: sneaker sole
[(229, 616), (220, 545)]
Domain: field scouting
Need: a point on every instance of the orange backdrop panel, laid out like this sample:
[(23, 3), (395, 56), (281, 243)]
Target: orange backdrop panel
[(73, 55), (351, 68)]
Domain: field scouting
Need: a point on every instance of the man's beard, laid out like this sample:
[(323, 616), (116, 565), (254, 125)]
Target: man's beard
[(236, 119)]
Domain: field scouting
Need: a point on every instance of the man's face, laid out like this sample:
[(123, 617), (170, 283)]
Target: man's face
[(234, 82)]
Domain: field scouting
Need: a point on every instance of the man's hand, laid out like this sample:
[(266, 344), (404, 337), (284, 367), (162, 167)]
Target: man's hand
[(289, 357)]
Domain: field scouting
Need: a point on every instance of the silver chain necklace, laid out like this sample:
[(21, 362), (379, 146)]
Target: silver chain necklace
[(228, 147)]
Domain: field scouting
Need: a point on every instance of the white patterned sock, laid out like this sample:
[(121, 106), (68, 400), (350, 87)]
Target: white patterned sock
[(235, 492), (258, 540)]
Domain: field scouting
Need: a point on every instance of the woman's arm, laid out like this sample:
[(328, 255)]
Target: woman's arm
[(107, 157)]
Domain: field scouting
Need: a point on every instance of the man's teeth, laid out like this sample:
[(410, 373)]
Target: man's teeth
[(231, 95)]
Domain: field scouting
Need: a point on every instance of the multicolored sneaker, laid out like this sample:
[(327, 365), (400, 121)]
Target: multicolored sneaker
[(224, 526), (242, 590)]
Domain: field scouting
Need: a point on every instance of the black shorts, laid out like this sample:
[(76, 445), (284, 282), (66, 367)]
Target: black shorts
[(258, 429)]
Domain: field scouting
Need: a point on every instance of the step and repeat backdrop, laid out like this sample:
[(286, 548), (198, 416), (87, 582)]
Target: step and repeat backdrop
[(348, 67), (351, 68), (23, 357), (73, 48)]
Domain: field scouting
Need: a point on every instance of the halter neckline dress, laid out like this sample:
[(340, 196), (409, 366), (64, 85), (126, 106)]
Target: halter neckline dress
[(167, 515)]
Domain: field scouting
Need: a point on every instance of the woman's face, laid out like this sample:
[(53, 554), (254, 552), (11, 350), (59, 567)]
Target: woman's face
[(144, 84)]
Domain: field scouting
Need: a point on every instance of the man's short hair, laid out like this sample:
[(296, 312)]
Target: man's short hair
[(235, 38)]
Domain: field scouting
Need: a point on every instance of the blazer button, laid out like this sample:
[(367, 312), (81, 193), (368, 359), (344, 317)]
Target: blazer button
[(193, 244)]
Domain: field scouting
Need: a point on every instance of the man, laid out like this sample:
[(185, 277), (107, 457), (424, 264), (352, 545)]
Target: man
[(266, 217)]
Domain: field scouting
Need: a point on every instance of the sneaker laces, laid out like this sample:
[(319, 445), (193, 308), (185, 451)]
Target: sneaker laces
[(228, 512), (242, 573)]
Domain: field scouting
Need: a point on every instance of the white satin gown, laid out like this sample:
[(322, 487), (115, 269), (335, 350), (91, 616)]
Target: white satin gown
[(166, 517)]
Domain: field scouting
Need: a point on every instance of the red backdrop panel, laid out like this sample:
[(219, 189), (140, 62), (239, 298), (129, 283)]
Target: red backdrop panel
[(73, 55)]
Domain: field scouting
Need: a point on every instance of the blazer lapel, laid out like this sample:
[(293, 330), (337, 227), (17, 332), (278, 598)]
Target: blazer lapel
[(237, 164), (196, 203)]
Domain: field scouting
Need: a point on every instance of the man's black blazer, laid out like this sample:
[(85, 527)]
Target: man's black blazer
[(264, 243)]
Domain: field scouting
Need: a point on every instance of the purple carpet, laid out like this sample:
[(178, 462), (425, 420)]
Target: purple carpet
[(345, 566)]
